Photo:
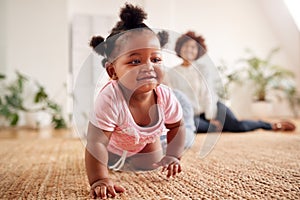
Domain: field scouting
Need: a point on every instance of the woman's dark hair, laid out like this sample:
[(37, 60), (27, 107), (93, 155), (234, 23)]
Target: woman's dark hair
[(132, 17), (191, 35)]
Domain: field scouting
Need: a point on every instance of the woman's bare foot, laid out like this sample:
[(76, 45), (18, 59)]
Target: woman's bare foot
[(283, 126)]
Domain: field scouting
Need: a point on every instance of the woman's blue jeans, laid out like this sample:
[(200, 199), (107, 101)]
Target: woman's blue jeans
[(229, 121)]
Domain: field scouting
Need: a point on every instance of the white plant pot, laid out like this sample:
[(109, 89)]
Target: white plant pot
[(282, 109), (262, 109), (39, 119), (240, 97)]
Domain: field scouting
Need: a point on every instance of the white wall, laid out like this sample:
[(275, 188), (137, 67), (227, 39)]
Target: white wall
[(3, 36), (98, 7), (230, 27), (37, 42), (286, 31)]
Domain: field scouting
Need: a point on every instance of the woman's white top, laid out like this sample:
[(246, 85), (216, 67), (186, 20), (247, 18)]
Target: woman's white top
[(195, 82)]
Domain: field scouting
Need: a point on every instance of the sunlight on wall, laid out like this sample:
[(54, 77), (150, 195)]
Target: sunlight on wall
[(294, 8)]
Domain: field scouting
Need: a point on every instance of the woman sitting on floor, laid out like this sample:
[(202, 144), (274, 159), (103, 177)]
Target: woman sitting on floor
[(210, 114)]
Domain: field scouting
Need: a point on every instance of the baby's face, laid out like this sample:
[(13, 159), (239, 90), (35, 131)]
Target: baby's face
[(189, 50), (139, 67)]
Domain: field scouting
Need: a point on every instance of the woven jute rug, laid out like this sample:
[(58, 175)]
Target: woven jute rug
[(254, 165)]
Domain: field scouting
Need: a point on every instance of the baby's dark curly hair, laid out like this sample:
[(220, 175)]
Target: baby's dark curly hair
[(191, 35), (132, 17)]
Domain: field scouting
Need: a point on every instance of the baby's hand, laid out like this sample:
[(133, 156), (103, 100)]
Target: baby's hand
[(105, 187), (171, 164)]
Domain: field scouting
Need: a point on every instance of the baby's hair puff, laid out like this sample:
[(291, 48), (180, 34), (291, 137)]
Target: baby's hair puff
[(132, 17), (95, 41), (163, 37)]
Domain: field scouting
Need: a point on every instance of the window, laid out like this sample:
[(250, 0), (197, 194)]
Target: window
[(294, 9)]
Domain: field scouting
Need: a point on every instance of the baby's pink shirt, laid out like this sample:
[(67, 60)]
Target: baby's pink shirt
[(111, 113)]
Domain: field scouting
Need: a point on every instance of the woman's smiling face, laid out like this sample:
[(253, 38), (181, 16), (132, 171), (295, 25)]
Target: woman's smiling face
[(189, 50), (139, 66)]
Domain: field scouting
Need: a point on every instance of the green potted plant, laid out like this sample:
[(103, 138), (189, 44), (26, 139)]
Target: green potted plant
[(228, 77), (265, 76), (46, 104), (268, 80), (12, 102)]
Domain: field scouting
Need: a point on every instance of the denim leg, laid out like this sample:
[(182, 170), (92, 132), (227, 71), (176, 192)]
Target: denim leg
[(189, 139), (203, 125), (188, 116), (232, 124), (250, 125)]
